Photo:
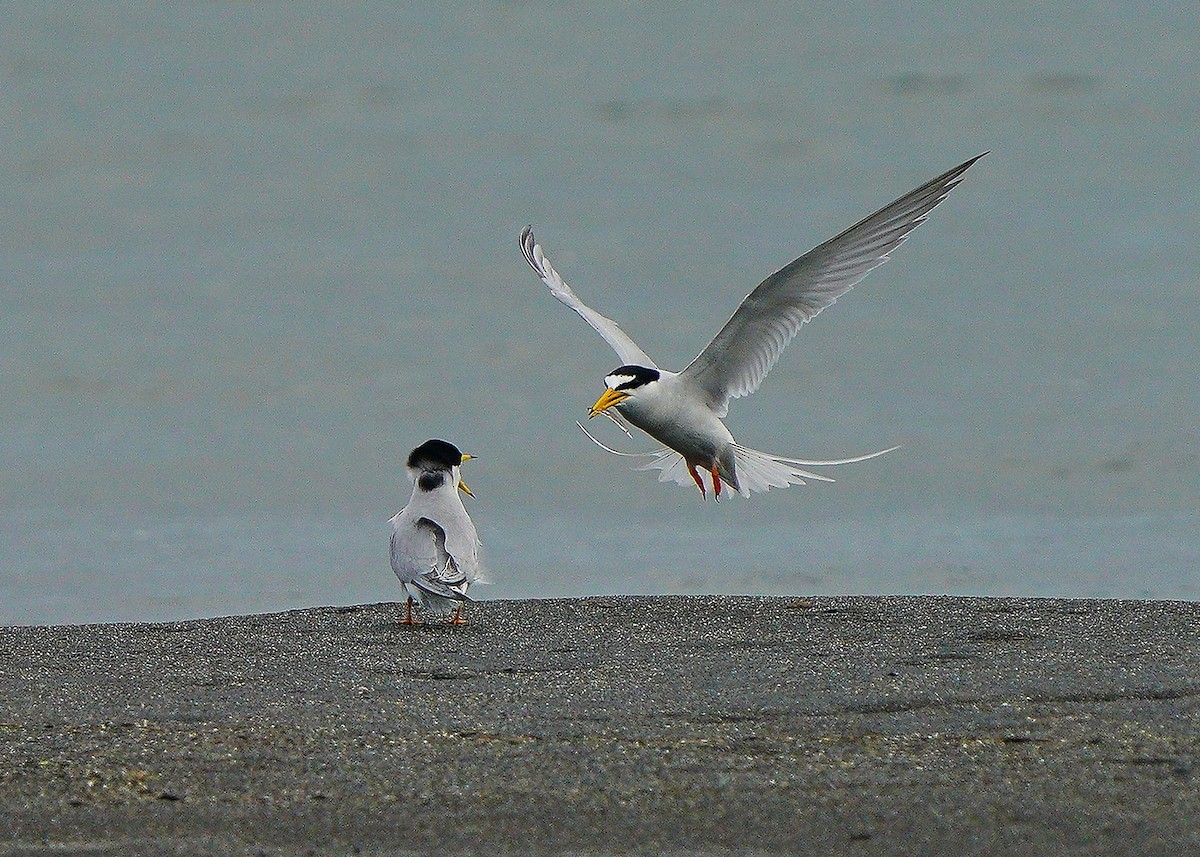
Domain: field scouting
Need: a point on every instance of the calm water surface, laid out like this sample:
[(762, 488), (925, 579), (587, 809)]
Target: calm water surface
[(251, 254)]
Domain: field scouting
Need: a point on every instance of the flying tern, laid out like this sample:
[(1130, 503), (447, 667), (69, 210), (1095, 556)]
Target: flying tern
[(684, 410)]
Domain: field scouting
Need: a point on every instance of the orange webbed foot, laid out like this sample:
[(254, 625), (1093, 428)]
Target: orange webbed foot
[(408, 614)]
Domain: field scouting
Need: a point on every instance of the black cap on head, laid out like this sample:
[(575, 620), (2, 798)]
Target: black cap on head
[(437, 452), (638, 375)]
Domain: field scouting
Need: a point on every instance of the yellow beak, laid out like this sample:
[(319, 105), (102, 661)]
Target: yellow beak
[(610, 398), (462, 486)]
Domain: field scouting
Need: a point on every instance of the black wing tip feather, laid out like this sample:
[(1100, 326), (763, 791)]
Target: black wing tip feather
[(952, 177), (941, 186), (916, 204), (527, 244), (969, 161)]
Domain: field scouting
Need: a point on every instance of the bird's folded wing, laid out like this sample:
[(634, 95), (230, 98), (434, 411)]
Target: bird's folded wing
[(626, 348), (745, 349), (414, 553), (431, 584), (458, 541)]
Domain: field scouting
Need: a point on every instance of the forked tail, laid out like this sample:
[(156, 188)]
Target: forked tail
[(756, 471)]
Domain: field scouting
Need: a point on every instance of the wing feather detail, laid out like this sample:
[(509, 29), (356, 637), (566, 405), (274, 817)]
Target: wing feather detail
[(735, 362), (626, 348)]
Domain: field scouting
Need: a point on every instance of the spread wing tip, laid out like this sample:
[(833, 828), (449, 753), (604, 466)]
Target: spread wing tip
[(529, 249), (626, 348), (950, 180), (532, 251)]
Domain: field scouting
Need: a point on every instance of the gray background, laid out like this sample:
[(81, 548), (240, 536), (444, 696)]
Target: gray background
[(252, 253)]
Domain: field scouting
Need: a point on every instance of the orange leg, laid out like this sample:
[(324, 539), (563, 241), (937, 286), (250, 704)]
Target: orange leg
[(716, 483), (408, 616), (696, 476), (458, 618)]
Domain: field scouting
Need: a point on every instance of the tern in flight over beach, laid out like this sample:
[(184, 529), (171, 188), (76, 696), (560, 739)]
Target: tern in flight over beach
[(684, 410)]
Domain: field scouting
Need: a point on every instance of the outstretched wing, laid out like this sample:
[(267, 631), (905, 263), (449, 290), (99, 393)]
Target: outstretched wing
[(745, 349), (625, 347)]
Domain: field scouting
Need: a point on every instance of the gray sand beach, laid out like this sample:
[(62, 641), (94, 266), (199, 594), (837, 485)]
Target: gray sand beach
[(666, 725)]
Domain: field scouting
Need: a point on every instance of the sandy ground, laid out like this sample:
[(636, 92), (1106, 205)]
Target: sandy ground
[(706, 726)]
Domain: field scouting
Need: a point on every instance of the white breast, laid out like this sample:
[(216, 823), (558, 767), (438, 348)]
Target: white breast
[(672, 413)]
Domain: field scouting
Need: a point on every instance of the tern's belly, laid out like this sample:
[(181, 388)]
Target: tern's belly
[(690, 429)]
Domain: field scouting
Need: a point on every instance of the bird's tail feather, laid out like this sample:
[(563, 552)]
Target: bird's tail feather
[(756, 471)]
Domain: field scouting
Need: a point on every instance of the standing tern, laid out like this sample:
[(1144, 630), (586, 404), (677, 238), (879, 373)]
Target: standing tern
[(435, 549), (683, 410)]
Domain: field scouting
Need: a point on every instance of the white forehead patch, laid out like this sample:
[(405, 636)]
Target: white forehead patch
[(613, 381)]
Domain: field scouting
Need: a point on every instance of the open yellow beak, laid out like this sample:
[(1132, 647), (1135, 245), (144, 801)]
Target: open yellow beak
[(462, 486), (610, 398)]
